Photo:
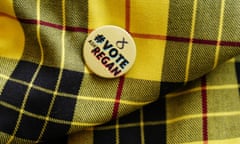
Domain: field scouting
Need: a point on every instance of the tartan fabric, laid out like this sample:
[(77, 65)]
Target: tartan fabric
[(204, 111), (47, 91)]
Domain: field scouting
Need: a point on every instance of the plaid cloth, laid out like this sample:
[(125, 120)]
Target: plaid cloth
[(47, 91)]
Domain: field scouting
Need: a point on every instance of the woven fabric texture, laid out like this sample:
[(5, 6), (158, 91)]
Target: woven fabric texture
[(183, 87)]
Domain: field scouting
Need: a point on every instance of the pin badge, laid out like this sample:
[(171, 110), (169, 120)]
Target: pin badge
[(109, 51)]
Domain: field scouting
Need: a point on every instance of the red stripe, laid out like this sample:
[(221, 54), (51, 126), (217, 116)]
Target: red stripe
[(227, 43), (7, 15), (118, 97), (204, 110), (122, 79), (52, 25), (178, 39), (148, 36), (201, 41), (127, 19), (137, 35)]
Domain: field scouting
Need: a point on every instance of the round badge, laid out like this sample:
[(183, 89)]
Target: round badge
[(109, 51)]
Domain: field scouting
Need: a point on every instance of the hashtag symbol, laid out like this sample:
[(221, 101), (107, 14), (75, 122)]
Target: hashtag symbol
[(99, 38)]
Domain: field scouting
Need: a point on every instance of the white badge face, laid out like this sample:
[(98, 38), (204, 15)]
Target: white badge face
[(109, 51)]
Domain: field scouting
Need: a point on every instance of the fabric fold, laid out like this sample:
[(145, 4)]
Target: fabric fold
[(47, 90)]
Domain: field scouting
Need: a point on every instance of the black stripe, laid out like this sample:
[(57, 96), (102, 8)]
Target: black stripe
[(237, 67)]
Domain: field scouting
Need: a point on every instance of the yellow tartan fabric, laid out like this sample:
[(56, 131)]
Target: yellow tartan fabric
[(176, 91), (204, 111)]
